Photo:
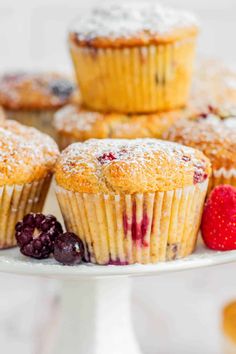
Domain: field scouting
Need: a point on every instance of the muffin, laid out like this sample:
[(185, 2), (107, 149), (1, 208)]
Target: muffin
[(213, 89), (216, 138), (229, 328), (27, 159), (74, 123), (133, 58), (33, 98), (132, 201)]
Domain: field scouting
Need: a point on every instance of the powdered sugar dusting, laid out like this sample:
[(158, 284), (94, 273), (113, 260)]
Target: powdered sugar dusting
[(67, 119), (24, 149), (214, 136), (124, 20), (138, 156)]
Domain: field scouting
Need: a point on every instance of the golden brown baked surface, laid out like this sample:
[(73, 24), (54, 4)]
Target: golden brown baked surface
[(26, 154), (127, 25), (129, 166), (229, 321), (29, 91), (80, 124), (215, 137)]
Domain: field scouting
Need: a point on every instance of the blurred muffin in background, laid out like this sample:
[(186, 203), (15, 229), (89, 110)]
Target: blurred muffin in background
[(2, 114), (134, 58), (33, 98), (229, 328), (74, 123), (216, 138), (213, 89)]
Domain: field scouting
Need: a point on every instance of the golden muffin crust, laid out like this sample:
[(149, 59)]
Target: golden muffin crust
[(229, 321), (26, 154), (129, 166), (80, 124), (214, 136), (35, 91), (132, 24)]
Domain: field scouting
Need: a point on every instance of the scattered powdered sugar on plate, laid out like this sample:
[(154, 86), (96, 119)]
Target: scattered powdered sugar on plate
[(124, 20)]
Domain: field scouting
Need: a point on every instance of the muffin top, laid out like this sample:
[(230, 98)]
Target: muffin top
[(81, 124), (213, 89), (130, 166), (29, 91), (26, 154), (132, 24), (229, 321), (214, 136)]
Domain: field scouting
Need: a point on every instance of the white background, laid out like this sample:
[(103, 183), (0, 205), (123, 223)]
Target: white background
[(173, 314)]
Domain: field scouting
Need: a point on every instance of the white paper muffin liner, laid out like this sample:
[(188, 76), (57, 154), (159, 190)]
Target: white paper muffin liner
[(135, 79), (222, 176), (17, 201), (140, 228)]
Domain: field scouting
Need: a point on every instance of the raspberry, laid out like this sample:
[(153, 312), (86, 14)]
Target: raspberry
[(106, 157), (219, 219), (68, 249), (199, 175), (36, 234), (186, 158)]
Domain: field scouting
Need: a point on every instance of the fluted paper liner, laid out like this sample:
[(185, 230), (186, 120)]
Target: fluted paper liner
[(17, 201), (222, 176), (139, 228), (138, 79)]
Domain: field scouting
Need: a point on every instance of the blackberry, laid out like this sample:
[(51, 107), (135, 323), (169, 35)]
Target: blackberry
[(61, 88), (68, 249), (36, 234)]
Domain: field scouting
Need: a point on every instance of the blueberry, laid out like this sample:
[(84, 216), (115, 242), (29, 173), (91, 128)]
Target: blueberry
[(68, 249), (62, 88)]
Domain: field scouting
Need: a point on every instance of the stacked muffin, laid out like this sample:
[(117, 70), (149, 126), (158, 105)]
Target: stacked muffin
[(131, 200), (133, 64)]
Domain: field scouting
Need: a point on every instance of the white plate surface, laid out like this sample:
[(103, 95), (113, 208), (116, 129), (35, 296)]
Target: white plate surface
[(11, 261)]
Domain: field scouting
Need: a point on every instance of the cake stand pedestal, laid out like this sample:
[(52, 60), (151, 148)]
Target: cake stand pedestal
[(95, 300), (95, 316)]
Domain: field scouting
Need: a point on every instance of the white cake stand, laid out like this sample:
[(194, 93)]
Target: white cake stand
[(95, 300)]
